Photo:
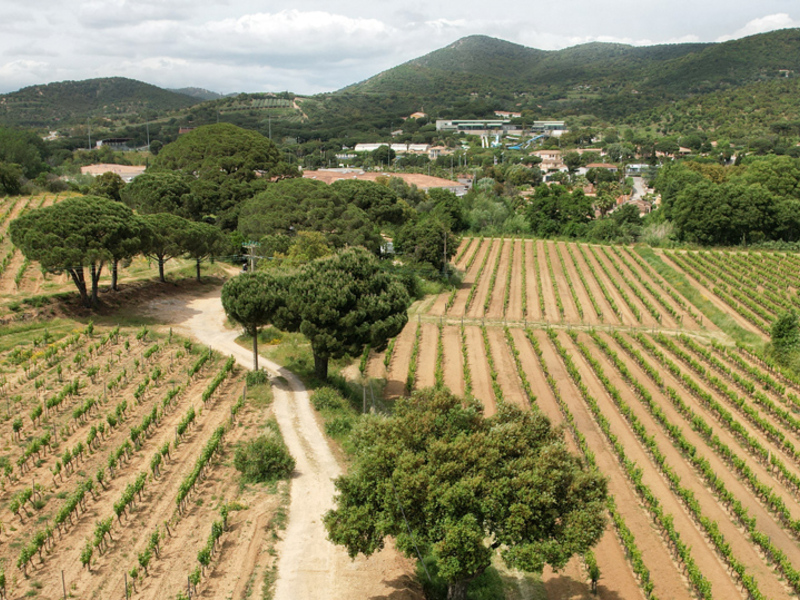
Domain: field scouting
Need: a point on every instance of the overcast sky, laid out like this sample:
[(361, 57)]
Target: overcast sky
[(311, 46)]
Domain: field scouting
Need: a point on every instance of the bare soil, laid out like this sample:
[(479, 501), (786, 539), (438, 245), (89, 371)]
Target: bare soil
[(589, 314), (532, 291), (551, 313), (479, 369), (476, 309), (497, 306), (401, 358), (453, 360), (514, 310), (426, 359), (458, 307), (571, 314)]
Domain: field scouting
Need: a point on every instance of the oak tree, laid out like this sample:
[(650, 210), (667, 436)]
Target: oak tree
[(440, 477)]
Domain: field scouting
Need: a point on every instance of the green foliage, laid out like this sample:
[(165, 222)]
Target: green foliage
[(78, 232), (263, 459), (423, 241), (327, 398), (160, 192), (785, 336), (293, 205), (222, 163), (255, 378), (452, 472), (108, 185)]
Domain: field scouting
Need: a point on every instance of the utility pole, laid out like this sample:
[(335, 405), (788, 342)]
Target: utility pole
[(89, 131)]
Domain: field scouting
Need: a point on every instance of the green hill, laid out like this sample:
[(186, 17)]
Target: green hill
[(71, 102), (608, 80)]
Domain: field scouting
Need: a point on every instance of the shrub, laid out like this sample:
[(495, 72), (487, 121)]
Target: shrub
[(265, 458), (327, 398), (339, 426), (255, 378)]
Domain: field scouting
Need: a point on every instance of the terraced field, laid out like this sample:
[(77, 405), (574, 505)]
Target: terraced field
[(699, 438)]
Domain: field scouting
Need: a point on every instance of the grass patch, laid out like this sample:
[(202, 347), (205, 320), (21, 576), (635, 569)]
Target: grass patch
[(488, 586), (12, 336), (677, 280)]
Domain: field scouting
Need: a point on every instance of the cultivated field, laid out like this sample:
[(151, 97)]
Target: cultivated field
[(700, 439), (117, 466)]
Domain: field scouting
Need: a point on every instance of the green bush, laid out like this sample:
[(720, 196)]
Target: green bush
[(487, 586), (339, 426), (327, 398), (265, 458), (255, 378)]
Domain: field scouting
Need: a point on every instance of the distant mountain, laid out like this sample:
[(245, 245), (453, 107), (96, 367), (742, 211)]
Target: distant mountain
[(609, 80), (198, 93), (70, 102)]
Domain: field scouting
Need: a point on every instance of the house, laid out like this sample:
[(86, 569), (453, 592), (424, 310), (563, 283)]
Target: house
[(551, 161), (435, 152), (607, 166), (504, 114)]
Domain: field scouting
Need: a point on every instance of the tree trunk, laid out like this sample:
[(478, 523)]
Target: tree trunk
[(254, 333), (198, 271), (80, 283), (321, 367), (161, 270), (457, 590), (114, 268), (95, 275)]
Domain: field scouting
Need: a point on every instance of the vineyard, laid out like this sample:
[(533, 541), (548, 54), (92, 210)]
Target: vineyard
[(699, 438), (116, 467)]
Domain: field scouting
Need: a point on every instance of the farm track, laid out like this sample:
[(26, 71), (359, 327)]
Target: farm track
[(743, 550), (514, 309)]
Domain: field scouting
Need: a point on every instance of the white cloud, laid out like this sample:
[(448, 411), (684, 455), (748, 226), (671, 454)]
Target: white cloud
[(762, 25)]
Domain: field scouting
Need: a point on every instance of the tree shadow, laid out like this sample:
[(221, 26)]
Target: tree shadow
[(404, 587)]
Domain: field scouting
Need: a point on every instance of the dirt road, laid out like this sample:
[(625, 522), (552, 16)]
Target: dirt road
[(309, 566)]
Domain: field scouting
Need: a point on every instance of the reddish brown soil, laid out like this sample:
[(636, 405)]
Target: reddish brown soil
[(571, 314), (627, 316), (426, 359), (401, 357), (475, 310), (532, 291), (496, 306), (589, 314), (457, 309), (466, 244), (647, 319), (453, 360), (551, 313), (479, 369), (507, 374), (746, 553), (607, 315), (514, 310), (617, 576)]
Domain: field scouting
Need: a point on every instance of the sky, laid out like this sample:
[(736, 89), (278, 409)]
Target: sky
[(311, 46)]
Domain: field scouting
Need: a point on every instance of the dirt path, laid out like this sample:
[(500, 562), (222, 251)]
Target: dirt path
[(475, 310), (711, 297), (531, 267), (617, 575), (309, 566), (551, 313), (514, 311), (479, 369), (589, 314), (453, 360), (497, 305), (457, 309)]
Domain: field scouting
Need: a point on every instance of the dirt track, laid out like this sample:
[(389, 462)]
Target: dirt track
[(309, 566)]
